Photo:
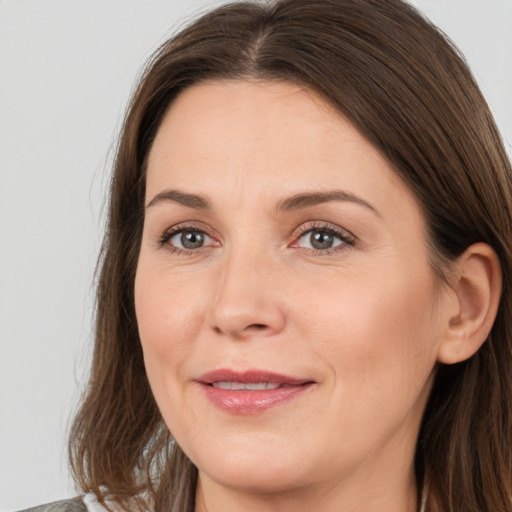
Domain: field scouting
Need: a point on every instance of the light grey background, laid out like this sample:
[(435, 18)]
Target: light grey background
[(66, 71)]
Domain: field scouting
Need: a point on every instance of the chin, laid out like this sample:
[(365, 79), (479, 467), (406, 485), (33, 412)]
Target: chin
[(261, 471), (254, 479)]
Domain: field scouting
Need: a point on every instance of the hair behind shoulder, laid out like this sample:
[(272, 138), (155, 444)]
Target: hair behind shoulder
[(407, 89)]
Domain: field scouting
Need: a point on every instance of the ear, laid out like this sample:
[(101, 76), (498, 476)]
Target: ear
[(476, 282)]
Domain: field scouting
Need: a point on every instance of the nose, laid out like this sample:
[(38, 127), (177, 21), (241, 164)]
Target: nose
[(249, 300)]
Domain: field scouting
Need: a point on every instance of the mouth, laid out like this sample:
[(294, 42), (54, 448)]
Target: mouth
[(251, 392), (247, 386)]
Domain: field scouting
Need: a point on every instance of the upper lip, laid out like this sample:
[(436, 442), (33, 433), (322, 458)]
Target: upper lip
[(250, 376)]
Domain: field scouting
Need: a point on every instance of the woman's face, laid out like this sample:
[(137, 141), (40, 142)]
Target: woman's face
[(287, 311)]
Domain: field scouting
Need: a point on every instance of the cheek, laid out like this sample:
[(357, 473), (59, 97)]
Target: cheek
[(377, 339), (168, 317), (375, 334), (169, 309)]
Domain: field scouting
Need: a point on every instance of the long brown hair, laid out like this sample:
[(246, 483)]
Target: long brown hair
[(408, 90)]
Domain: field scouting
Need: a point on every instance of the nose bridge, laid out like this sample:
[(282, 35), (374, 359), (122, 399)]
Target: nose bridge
[(246, 302)]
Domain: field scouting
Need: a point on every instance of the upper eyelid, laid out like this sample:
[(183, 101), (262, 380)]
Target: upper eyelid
[(190, 226), (301, 228), (328, 226)]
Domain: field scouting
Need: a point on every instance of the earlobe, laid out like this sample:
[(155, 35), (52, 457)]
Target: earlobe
[(477, 285)]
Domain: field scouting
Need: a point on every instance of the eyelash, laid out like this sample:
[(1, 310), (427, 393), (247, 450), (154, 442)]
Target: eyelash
[(347, 239)]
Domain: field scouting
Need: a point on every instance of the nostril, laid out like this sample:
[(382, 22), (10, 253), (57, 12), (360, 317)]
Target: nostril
[(257, 326)]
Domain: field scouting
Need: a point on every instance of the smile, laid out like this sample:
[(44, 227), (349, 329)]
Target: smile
[(251, 392)]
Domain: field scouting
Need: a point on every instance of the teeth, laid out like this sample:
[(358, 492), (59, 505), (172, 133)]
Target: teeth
[(245, 386), (261, 386)]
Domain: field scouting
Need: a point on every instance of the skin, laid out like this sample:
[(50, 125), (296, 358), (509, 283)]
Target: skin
[(365, 320)]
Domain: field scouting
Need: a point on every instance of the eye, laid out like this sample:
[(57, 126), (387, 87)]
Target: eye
[(319, 239), (187, 239), (324, 239)]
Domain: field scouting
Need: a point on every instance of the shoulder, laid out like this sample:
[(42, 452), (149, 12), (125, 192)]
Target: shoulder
[(73, 505)]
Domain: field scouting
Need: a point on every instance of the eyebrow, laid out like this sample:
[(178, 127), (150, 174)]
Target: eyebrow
[(295, 202), (300, 201), (190, 200)]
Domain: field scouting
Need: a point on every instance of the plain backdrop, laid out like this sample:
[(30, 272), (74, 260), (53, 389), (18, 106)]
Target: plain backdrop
[(67, 68)]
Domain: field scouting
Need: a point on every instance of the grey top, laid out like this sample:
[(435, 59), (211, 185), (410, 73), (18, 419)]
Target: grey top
[(73, 505)]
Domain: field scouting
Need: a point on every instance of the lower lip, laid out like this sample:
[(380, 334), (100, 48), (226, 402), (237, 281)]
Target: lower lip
[(252, 402)]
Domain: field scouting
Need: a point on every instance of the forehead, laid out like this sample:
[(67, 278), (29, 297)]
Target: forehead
[(263, 135), (242, 115)]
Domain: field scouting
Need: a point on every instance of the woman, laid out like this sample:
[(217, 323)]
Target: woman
[(304, 300)]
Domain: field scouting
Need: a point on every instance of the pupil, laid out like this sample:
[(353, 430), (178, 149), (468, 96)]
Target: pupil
[(321, 240), (192, 239)]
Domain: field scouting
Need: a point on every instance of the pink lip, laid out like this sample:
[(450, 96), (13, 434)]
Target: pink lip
[(251, 402)]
